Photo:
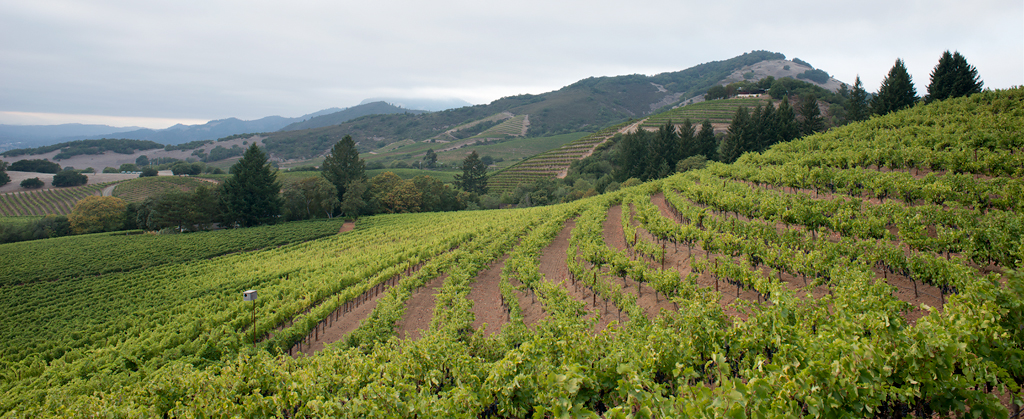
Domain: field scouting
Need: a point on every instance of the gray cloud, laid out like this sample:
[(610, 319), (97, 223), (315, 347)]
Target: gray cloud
[(215, 59)]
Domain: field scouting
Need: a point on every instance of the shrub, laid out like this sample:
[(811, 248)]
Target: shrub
[(148, 172), (109, 169), (69, 178), (35, 165), (33, 183), (691, 163), (128, 167)]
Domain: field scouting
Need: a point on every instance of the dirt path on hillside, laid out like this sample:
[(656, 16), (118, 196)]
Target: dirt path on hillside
[(553, 265), (419, 310), (488, 311)]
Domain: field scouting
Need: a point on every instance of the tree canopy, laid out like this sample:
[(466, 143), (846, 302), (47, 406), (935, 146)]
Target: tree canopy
[(897, 91), (953, 77), (252, 194), (343, 165), (4, 178), (474, 175), (96, 214)]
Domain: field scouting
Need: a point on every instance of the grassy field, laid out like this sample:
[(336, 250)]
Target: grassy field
[(511, 150)]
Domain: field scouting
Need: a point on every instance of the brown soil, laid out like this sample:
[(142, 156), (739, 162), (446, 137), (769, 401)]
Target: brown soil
[(553, 266), (488, 312), (531, 309), (419, 310), (652, 301), (926, 294), (343, 323), (348, 226)]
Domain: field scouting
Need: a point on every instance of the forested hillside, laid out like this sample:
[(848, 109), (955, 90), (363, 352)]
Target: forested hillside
[(865, 272)]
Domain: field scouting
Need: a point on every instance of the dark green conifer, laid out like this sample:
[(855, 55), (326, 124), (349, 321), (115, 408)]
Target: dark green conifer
[(252, 195), (897, 91), (953, 77)]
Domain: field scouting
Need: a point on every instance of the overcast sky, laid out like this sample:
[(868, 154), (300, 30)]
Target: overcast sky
[(157, 62)]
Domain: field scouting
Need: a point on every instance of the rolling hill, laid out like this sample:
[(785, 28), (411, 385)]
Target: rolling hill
[(870, 271)]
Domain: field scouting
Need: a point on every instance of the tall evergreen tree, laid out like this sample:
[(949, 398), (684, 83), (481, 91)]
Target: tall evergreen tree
[(343, 165), (252, 195), (430, 159), (897, 91), (811, 120), (474, 175), (953, 77), (787, 127), (687, 140), (707, 144), (857, 106), (767, 128), (734, 144), (633, 150)]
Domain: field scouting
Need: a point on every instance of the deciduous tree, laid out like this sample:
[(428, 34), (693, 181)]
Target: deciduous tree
[(96, 214)]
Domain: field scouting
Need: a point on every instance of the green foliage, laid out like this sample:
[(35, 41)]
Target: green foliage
[(474, 175), (76, 148), (219, 153), (312, 197), (149, 172), (858, 107), (4, 177), (191, 145), (953, 77), (35, 165), (35, 228), (252, 194), (815, 75), (897, 91), (66, 178), (97, 214), (128, 167), (32, 183), (343, 165), (142, 161), (810, 115), (692, 163), (194, 210)]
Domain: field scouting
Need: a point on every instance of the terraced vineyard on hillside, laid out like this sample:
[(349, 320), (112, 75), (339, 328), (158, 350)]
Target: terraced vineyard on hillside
[(816, 279), (137, 190), (58, 201), (720, 112), (551, 164)]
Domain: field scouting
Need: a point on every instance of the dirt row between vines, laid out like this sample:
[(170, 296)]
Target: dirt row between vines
[(926, 294)]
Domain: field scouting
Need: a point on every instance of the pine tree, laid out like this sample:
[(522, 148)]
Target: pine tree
[(707, 144), (897, 91), (430, 159), (787, 127), (474, 175), (953, 77), (811, 120), (687, 140), (857, 107), (734, 144), (252, 194), (343, 165), (767, 128)]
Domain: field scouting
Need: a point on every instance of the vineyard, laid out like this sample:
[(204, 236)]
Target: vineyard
[(548, 165), (59, 201), (137, 190), (821, 278), (720, 112)]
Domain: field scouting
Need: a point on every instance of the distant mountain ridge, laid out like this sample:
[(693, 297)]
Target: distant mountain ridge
[(586, 105), (348, 114)]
